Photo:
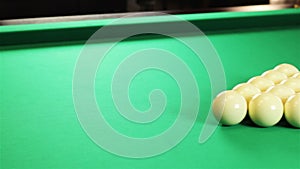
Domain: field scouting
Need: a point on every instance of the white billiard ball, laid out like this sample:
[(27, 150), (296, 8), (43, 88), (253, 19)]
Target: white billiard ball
[(296, 75), (261, 83), (229, 107), (275, 76), (293, 83), (287, 69), (247, 90), (265, 109), (282, 91), (292, 110)]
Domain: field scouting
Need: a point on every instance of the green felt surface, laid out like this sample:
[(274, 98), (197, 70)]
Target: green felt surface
[(39, 127)]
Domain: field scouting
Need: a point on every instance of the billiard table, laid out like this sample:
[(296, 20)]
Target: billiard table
[(41, 127)]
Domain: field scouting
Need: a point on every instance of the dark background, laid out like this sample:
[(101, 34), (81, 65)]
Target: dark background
[(13, 9)]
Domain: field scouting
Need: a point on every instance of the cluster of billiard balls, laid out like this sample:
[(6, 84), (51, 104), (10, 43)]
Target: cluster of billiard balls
[(266, 98)]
